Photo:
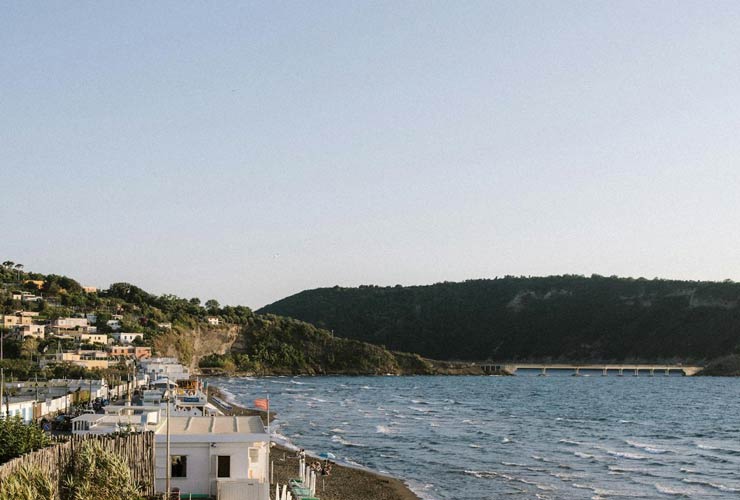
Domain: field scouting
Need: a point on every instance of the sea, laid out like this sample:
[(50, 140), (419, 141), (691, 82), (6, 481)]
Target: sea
[(519, 437)]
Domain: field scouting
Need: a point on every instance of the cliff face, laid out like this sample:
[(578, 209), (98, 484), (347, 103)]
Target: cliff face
[(192, 344)]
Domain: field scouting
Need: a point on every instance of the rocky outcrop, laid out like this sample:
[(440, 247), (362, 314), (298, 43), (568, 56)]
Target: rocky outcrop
[(192, 344)]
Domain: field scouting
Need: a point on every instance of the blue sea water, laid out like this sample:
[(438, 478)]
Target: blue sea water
[(555, 437)]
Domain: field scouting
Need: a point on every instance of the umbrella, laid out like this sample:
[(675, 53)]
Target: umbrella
[(329, 456)]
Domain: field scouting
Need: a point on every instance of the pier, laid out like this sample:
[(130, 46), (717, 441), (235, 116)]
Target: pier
[(603, 369)]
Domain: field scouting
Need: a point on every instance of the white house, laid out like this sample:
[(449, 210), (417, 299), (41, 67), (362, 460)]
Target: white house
[(33, 330), (126, 338), (212, 320), (225, 457), (70, 323)]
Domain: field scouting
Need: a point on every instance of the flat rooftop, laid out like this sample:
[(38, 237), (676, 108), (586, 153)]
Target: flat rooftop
[(213, 426)]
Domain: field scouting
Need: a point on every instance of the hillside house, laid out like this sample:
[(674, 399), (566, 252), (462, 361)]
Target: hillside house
[(33, 331), (134, 352), (127, 338)]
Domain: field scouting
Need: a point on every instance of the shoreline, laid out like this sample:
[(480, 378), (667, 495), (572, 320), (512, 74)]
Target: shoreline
[(345, 483)]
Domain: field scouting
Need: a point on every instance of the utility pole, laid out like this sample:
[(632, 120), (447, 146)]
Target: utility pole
[(2, 388), (168, 461)]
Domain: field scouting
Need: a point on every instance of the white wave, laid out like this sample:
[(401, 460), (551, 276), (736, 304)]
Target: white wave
[(572, 443), (422, 490), (671, 490), (632, 471), (717, 486), (505, 440), (339, 439), (382, 429), (421, 410), (587, 456), (722, 449), (627, 455), (229, 396), (284, 441), (337, 430), (486, 474), (647, 447), (473, 445)]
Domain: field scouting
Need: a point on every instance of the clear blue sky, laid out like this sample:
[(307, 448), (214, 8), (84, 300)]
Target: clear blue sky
[(246, 151)]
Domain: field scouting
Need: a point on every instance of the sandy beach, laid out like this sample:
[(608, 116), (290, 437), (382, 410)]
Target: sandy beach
[(344, 483)]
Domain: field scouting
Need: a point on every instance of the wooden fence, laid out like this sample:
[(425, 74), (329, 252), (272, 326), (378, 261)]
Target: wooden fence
[(137, 450)]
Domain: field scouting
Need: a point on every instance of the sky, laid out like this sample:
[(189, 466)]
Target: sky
[(245, 151)]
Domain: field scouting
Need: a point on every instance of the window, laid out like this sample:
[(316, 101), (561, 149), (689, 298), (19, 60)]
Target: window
[(179, 466), (224, 466)]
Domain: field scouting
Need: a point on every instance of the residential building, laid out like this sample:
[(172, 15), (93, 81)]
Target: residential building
[(215, 456), (14, 320), (90, 289), (29, 297), (114, 324), (213, 320), (89, 338), (160, 368), (130, 351), (33, 330), (126, 338), (70, 323)]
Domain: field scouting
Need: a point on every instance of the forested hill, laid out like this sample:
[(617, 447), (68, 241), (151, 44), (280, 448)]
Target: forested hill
[(570, 318)]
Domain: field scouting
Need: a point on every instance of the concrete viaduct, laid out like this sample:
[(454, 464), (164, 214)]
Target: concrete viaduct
[(603, 368)]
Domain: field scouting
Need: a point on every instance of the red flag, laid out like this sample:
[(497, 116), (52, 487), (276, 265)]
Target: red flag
[(262, 404)]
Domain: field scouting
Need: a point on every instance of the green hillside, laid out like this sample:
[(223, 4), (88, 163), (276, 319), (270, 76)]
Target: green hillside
[(572, 318), (242, 341)]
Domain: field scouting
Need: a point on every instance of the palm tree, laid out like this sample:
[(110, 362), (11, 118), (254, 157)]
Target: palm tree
[(18, 268)]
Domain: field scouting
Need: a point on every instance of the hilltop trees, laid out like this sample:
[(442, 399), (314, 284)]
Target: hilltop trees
[(569, 318)]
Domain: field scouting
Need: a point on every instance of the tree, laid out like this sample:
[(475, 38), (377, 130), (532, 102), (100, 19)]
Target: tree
[(17, 438), (212, 305)]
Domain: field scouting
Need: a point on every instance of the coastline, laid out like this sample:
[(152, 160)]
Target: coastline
[(344, 483)]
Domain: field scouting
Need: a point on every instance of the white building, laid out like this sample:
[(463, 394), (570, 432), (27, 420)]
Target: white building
[(117, 419), (224, 457), (70, 323), (33, 330), (212, 320), (157, 368), (126, 338)]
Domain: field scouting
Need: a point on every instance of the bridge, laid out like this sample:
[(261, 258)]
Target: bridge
[(603, 368)]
